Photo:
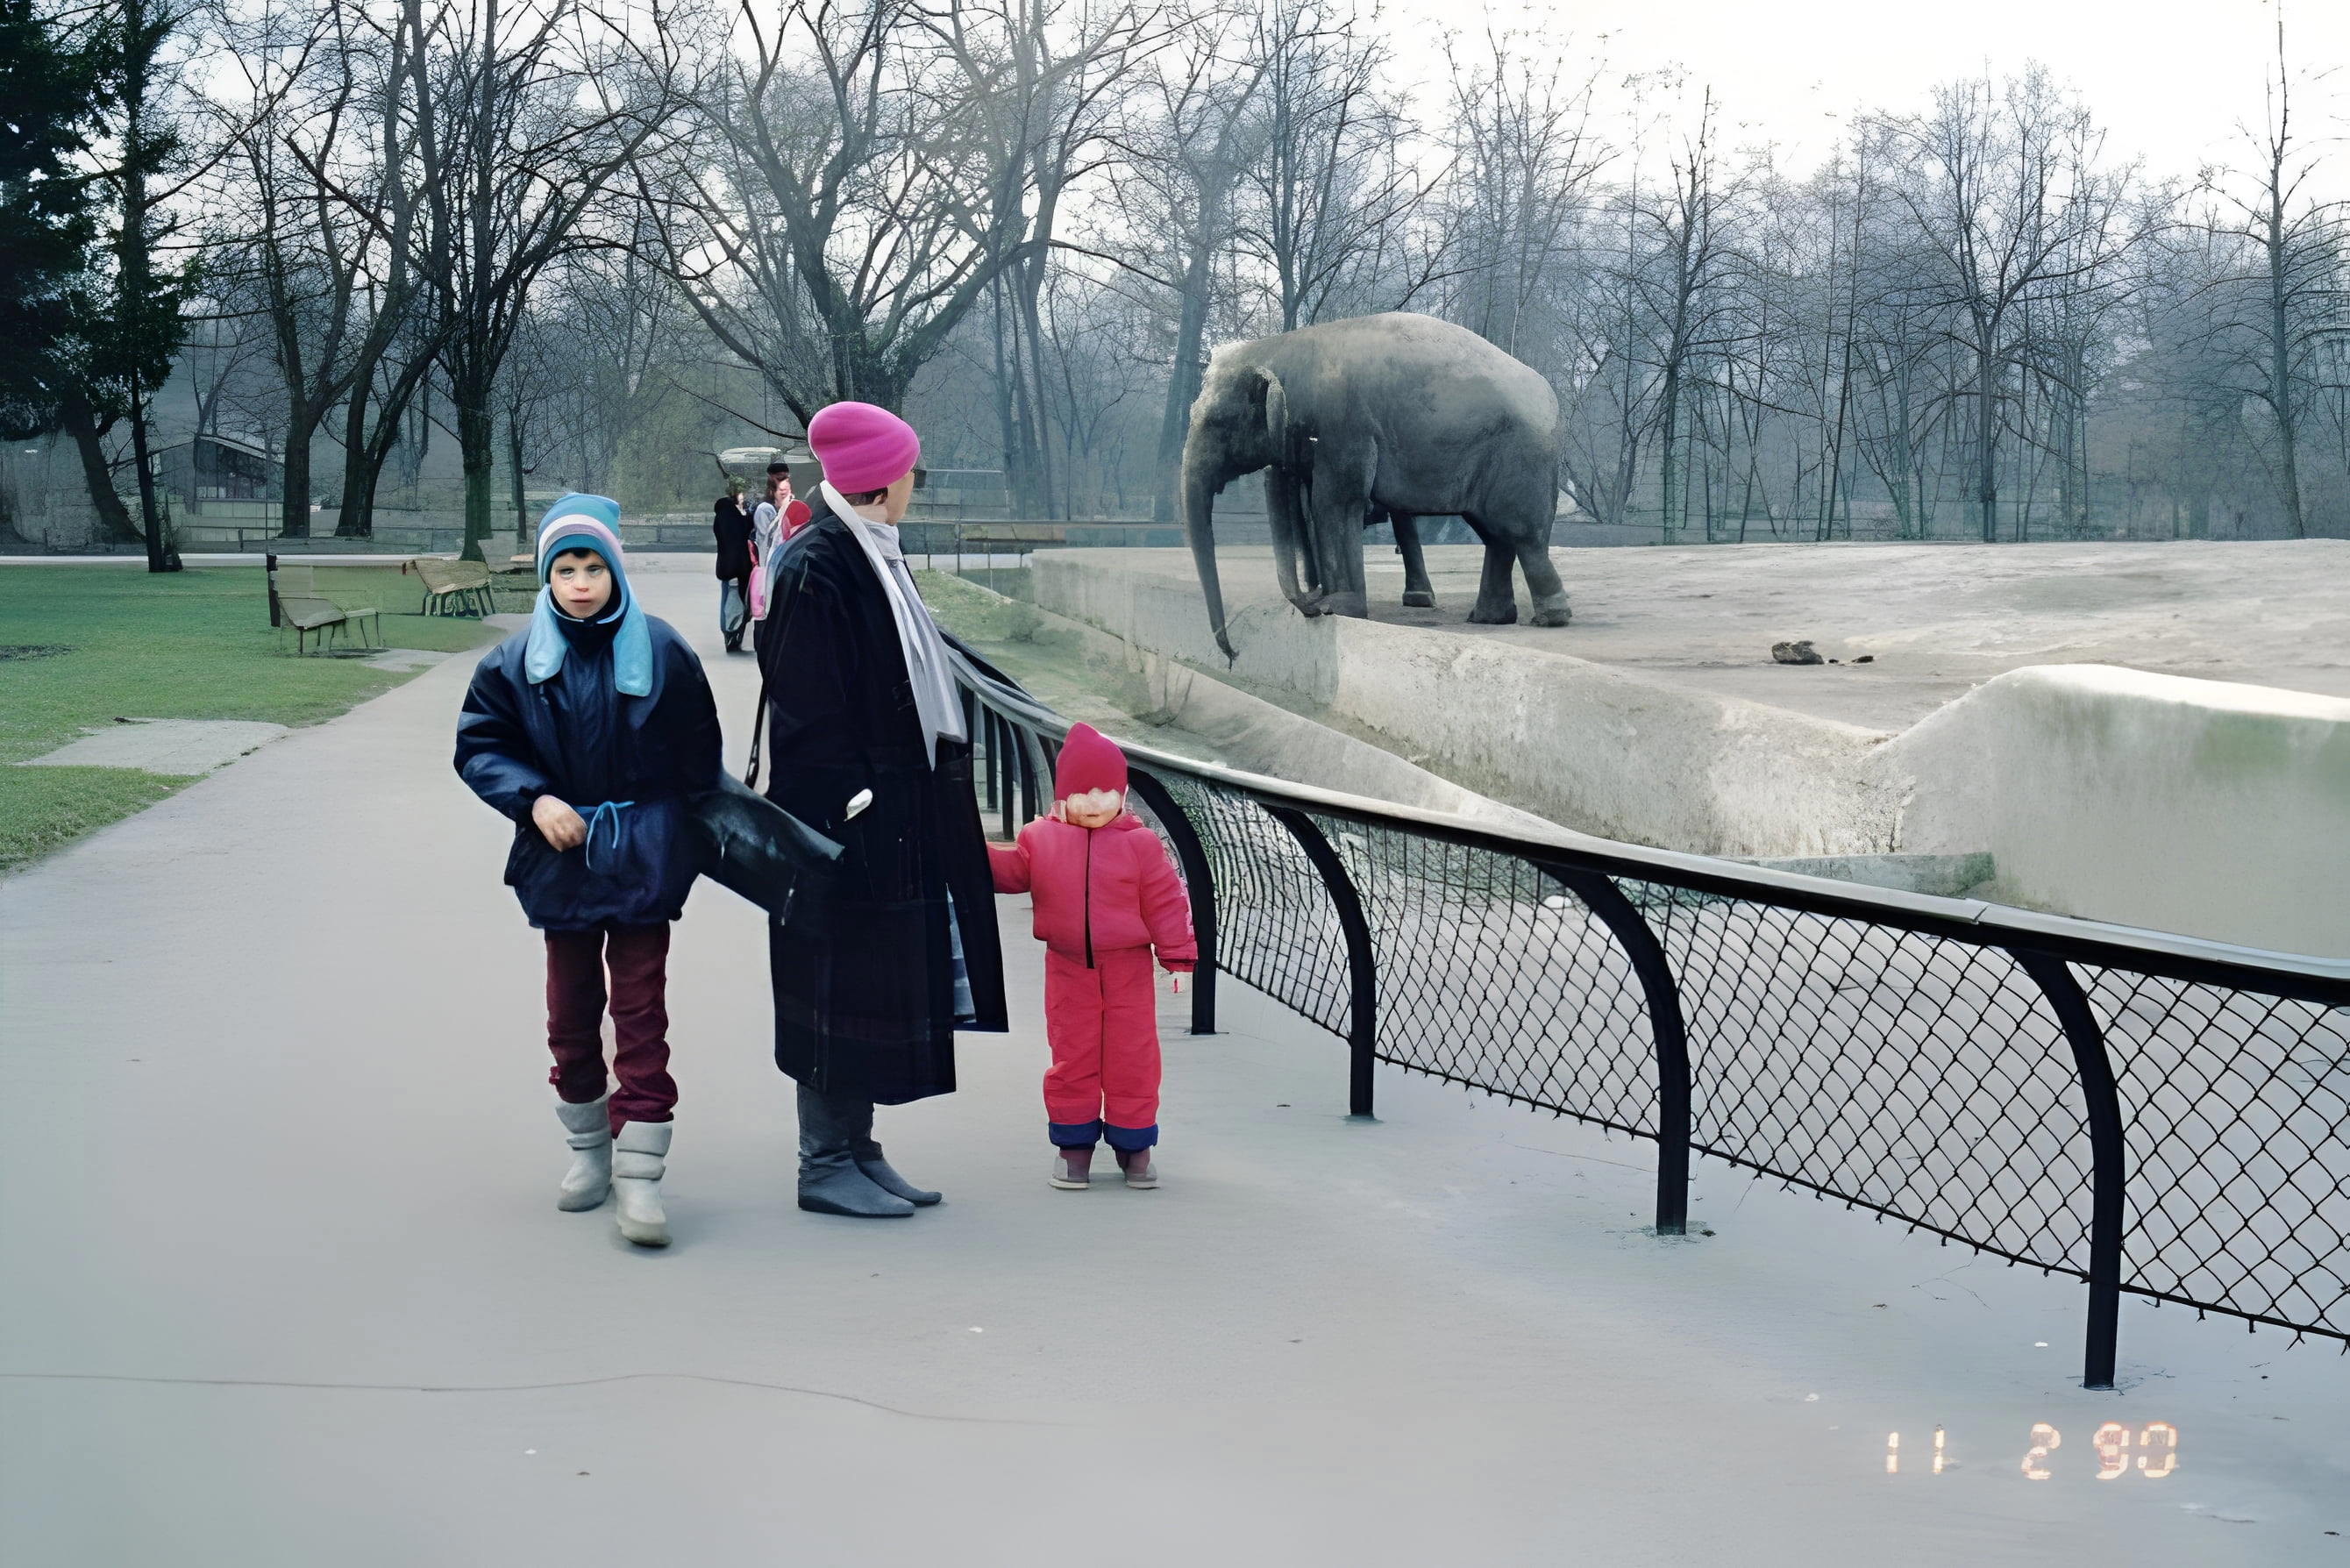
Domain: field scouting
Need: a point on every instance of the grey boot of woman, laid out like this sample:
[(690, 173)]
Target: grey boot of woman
[(878, 1172), (832, 1126)]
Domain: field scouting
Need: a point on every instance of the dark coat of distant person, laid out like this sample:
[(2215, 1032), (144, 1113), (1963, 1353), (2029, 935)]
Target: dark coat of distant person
[(731, 524)]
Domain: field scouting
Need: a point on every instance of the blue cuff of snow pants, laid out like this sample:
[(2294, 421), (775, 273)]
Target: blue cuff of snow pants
[(1128, 1140), (1073, 1134)]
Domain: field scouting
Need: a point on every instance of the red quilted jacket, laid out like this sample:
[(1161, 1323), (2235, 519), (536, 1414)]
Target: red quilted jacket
[(1099, 890)]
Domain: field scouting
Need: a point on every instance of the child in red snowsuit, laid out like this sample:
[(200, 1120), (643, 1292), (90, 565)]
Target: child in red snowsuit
[(1105, 896)]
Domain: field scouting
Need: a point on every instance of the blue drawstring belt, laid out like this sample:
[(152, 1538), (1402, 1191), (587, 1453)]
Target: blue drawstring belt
[(607, 812)]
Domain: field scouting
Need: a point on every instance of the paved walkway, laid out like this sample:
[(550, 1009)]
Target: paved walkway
[(286, 1285)]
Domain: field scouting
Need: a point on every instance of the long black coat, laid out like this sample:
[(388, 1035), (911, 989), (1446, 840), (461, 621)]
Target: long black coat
[(731, 526), (868, 1009), (574, 736)]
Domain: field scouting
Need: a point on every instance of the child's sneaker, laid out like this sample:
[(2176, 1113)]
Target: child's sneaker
[(1140, 1174), (1073, 1170)]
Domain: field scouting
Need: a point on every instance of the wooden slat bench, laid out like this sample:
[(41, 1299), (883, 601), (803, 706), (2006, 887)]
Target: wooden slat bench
[(303, 607), (452, 588)]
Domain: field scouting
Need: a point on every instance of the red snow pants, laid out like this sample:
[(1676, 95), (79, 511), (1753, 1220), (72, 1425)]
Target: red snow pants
[(638, 957), (1103, 1025)]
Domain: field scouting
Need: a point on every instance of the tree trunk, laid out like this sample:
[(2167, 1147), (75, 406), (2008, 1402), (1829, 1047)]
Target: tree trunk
[(514, 467), (1669, 421), (1987, 441), (477, 451), (132, 291), (2280, 398), (301, 419), (113, 517), (355, 512), (158, 558), (1182, 377)]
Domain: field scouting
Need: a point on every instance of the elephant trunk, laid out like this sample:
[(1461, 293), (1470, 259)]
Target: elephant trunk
[(1200, 484)]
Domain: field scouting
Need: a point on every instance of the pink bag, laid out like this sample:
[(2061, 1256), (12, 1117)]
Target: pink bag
[(758, 586)]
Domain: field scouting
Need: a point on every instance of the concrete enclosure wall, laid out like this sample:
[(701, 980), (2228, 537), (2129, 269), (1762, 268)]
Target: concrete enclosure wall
[(1587, 746), (2200, 806)]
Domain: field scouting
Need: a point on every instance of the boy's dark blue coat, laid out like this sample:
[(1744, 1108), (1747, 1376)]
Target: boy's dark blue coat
[(576, 737)]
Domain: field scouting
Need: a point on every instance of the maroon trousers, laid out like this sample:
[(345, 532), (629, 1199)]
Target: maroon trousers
[(576, 999)]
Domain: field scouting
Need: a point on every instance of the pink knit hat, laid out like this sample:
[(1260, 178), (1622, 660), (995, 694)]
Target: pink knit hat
[(863, 448)]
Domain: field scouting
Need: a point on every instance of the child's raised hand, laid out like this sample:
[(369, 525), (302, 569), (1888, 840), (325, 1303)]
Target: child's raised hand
[(556, 823)]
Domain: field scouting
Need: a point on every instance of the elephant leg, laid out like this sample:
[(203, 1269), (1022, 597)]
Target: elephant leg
[(1417, 592), (1336, 532), (1542, 587), (1336, 494), (1285, 516), (1496, 604)]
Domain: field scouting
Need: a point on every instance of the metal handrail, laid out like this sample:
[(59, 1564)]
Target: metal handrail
[(2043, 946)]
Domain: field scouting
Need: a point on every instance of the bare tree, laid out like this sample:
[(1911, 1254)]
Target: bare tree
[(2273, 317), (1331, 196), (873, 169), (303, 247), (2004, 187), (525, 112)]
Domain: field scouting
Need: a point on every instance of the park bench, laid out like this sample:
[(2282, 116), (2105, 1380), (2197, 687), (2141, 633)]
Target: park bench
[(303, 607), (453, 587), (1014, 536)]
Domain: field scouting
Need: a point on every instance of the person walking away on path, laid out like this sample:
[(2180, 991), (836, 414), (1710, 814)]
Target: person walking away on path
[(857, 697), (731, 526), (1106, 896), (590, 727)]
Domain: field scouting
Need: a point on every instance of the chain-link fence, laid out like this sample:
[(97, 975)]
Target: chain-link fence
[(2155, 1116)]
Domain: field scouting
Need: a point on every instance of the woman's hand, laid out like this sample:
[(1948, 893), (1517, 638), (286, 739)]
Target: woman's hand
[(556, 823)]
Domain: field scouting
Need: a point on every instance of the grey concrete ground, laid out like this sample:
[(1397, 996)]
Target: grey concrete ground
[(286, 1285)]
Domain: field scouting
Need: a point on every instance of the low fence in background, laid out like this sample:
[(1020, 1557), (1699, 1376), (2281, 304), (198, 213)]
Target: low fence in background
[(2155, 1116)]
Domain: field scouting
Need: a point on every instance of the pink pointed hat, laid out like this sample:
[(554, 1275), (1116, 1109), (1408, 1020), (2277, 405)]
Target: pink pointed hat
[(863, 448)]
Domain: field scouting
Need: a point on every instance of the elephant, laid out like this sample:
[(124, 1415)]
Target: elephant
[(1400, 413)]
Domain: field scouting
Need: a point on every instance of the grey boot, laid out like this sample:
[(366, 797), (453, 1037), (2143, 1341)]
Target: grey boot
[(1073, 1169), (832, 1127), (1140, 1173), (589, 1179), (640, 1160), (876, 1170)]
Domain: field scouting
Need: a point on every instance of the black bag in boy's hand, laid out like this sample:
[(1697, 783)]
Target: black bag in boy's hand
[(753, 846)]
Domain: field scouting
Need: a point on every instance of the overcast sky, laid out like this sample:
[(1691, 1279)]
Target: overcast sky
[(2169, 79)]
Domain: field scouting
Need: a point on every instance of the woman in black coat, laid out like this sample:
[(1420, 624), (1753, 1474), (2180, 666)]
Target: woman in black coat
[(868, 1013), (732, 525)]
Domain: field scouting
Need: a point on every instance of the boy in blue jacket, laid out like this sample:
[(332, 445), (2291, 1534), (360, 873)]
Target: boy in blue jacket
[(589, 729)]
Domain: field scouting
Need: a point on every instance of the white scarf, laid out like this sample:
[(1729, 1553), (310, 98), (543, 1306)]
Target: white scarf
[(927, 669)]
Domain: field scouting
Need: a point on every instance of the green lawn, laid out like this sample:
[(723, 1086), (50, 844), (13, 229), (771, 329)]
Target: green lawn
[(82, 646)]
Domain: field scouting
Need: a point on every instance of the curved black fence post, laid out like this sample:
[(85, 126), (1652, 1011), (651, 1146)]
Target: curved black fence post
[(1199, 881), (1667, 1026), (1030, 751), (1362, 964), (1006, 767), (982, 735), (2108, 1156)]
